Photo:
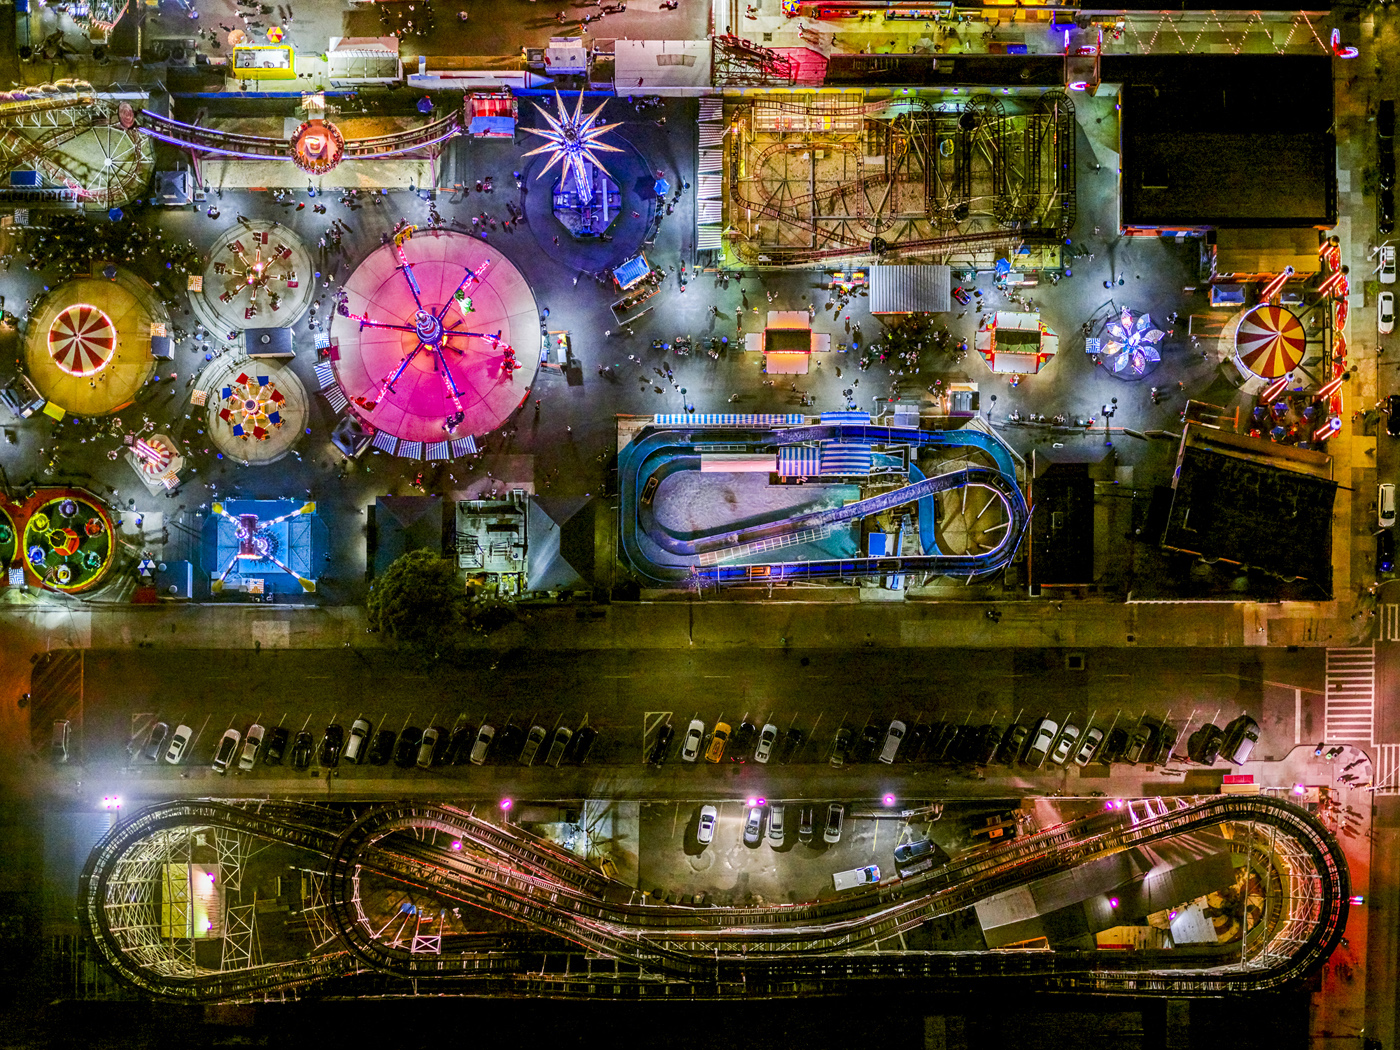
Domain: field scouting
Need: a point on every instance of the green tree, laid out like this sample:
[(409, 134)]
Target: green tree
[(419, 600)]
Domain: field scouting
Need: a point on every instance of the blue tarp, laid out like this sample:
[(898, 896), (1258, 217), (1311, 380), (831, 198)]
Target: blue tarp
[(799, 461), (840, 458), (632, 271)]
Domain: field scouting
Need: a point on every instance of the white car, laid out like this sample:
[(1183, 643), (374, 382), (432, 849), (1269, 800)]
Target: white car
[(705, 833), (753, 826), (892, 739), (359, 738), (228, 747), (1385, 505), (484, 736), (1045, 733), (1385, 313), (694, 737), (178, 743), (766, 740), (251, 743), (1066, 744), (1387, 270), (1092, 739)]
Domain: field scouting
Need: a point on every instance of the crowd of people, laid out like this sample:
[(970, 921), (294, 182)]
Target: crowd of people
[(70, 245)]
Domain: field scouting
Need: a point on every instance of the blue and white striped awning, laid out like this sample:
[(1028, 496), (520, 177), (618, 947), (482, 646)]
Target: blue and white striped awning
[(439, 450), (325, 374), (385, 441), (411, 449), (840, 458), (728, 419), (799, 461), (845, 417), (465, 446), (335, 396)]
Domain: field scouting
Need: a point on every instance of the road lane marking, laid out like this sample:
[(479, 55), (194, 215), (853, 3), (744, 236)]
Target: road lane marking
[(1350, 698)]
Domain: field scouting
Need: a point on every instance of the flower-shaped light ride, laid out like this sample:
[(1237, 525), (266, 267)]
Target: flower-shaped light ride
[(1132, 344), (572, 139)]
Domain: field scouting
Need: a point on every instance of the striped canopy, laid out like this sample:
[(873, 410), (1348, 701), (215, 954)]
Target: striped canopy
[(82, 340), (1271, 341)]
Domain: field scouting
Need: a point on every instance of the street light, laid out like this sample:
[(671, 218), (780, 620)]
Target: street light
[(992, 408)]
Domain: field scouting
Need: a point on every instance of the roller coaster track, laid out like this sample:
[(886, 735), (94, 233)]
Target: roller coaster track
[(663, 451), (425, 138), (530, 882)]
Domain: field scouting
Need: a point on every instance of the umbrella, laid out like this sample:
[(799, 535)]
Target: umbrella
[(275, 34), (116, 214), (1278, 432), (1003, 267), (661, 187), (1270, 342), (425, 104)]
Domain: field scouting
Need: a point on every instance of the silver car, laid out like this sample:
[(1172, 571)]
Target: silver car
[(178, 743), (775, 824), (705, 833), (694, 737), (753, 826), (1066, 744), (1045, 733), (532, 744), (251, 743), (484, 736), (766, 740), (228, 747)]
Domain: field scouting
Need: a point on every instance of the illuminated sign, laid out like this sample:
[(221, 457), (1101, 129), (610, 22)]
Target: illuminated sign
[(264, 63)]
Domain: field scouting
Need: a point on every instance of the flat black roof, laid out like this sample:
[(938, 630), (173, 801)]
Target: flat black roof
[(1062, 526), (1242, 510), (1226, 140)]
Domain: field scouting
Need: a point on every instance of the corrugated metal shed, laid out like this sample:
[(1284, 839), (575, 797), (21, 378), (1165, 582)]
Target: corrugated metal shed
[(910, 289)]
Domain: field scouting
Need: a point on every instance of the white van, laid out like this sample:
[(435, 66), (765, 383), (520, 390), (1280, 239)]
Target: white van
[(1385, 506), (775, 824)]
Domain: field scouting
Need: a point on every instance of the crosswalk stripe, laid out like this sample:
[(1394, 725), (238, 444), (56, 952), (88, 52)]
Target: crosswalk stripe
[(1390, 623), (1387, 779), (1351, 692)]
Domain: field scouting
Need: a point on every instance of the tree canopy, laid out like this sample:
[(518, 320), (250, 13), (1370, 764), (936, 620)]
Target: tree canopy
[(419, 599)]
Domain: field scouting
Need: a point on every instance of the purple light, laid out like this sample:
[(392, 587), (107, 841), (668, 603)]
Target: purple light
[(1172, 915), (1113, 902), (888, 800), (751, 800), (1299, 789), (761, 801), (505, 804), (457, 844), (1108, 805)]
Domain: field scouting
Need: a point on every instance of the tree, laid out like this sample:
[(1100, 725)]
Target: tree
[(419, 600)]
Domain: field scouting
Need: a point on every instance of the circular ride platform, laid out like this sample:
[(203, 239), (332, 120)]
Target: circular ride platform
[(88, 348), (262, 267), (255, 409), (422, 365)]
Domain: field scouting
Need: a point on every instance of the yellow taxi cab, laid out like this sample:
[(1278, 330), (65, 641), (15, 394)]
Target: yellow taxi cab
[(716, 749)]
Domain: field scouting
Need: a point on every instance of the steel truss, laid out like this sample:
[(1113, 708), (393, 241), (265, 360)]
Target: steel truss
[(79, 141), (742, 63)]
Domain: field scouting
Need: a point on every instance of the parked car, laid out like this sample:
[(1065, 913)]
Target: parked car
[(1385, 551), (359, 740), (1068, 736), (965, 743), (753, 826), (1093, 737), (1161, 748), (776, 813), (1044, 735), (718, 739), (1012, 744), (1203, 746), (743, 740), (705, 831), (835, 818), (58, 742), (915, 742), (583, 744), (1385, 505), (430, 746), (944, 733), (459, 748), (481, 747), (1385, 211), (865, 747), (1385, 313), (228, 747), (252, 741), (805, 822), (1114, 746), (793, 740), (1138, 741), (988, 740), (406, 750), (694, 737), (383, 747), (1387, 268), (913, 852), (1392, 415), (510, 739), (661, 746), (303, 749), (533, 740), (155, 740), (178, 742), (275, 747), (558, 745), (840, 748), (1240, 737), (894, 736), (331, 744), (766, 739)]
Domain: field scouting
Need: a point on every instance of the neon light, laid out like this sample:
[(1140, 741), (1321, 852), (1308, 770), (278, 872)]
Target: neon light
[(1329, 428), (1330, 389), (1272, 288)]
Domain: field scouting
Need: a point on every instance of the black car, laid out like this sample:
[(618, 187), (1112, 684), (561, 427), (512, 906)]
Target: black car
[(406, 750), (1385, 551), (792, 743), (582, 743), (275, 746), (742, 742), (662, 745), (943, 734), (155, 740), (915, 742), (920, 855), (804, 825), (965, 743), (1385, 211), (459, 748), (1239, 739), (331, 744), (302, 750), (870, 738), (840, 748), (1203, 745), (383, 747), (1138, 742), (509, 740), (988, 741), (1012, 744), (1114, 746), (1160, 749)]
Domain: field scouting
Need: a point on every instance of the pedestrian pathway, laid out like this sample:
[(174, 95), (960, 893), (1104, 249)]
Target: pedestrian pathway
[(1390, 623), (1351, 675)]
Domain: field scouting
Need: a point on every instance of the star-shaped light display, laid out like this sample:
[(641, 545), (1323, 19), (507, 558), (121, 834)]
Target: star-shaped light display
[(1132, 343), (572, 139)]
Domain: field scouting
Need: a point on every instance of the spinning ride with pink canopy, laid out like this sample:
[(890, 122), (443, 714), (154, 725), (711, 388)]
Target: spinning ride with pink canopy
[(427, 332), (1132, 344)]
